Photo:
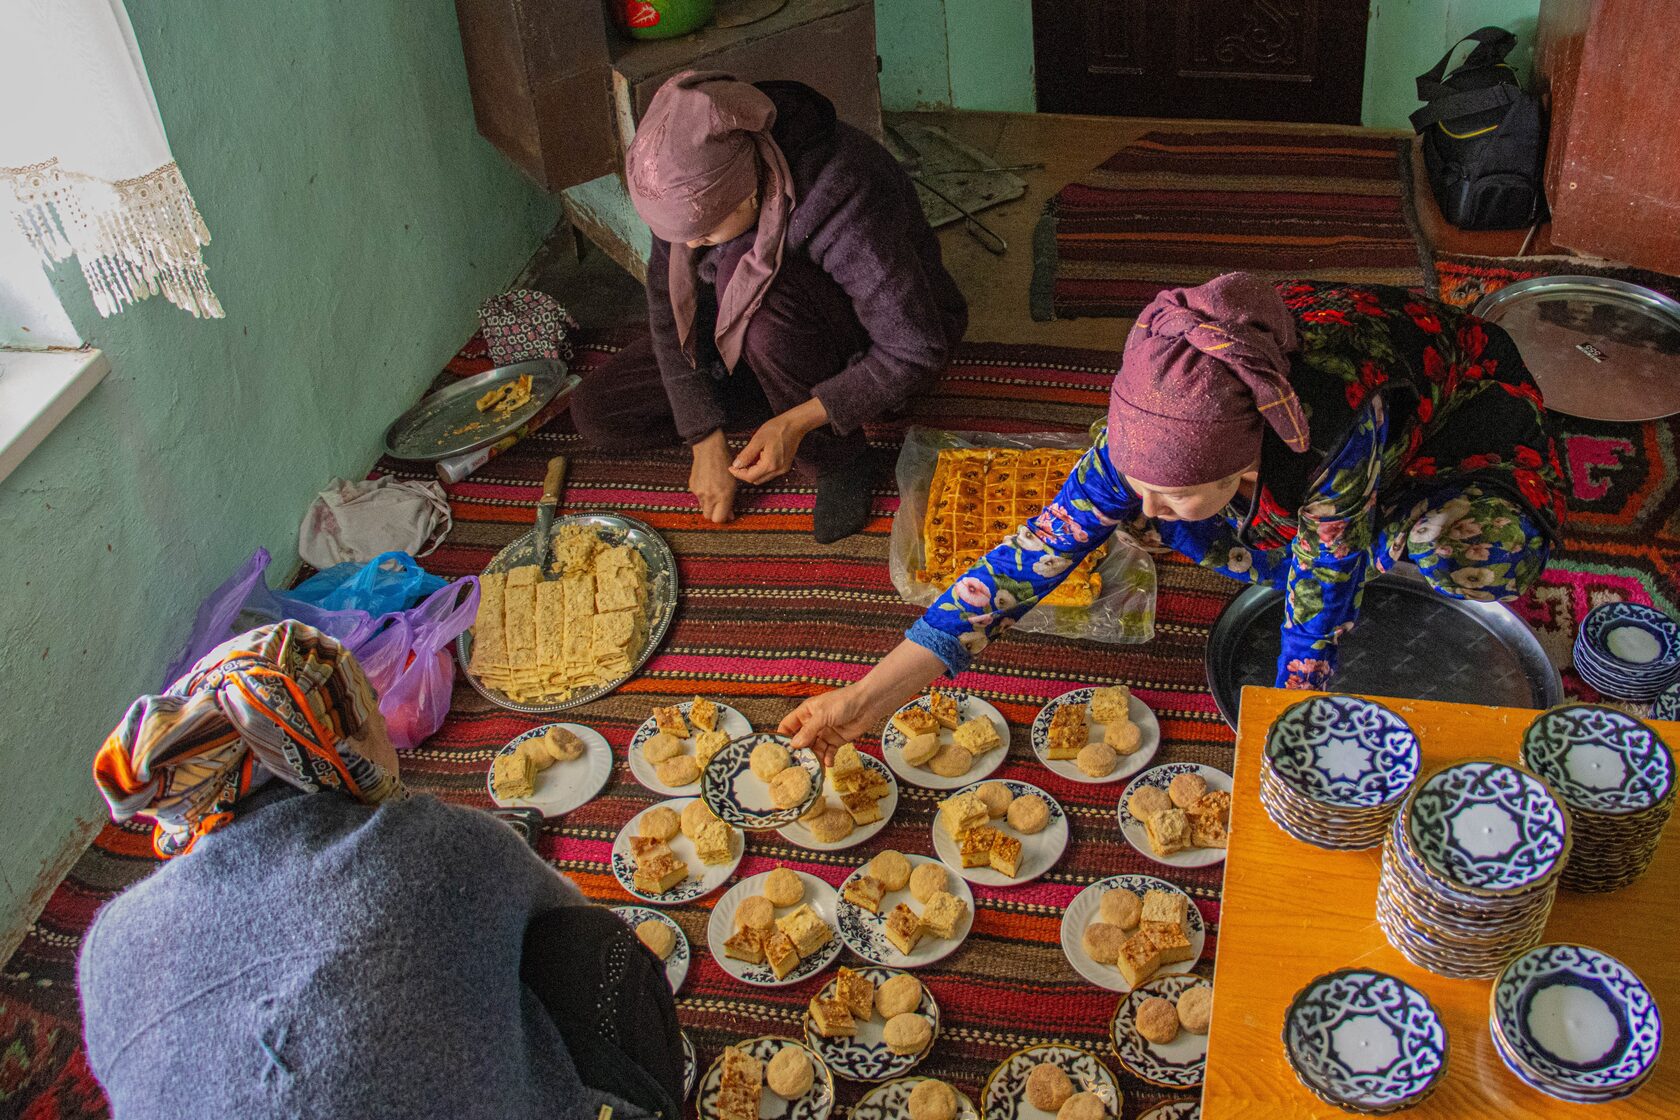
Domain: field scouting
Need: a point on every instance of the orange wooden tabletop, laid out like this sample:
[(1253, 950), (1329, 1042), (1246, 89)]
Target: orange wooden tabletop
[(1292, 911)]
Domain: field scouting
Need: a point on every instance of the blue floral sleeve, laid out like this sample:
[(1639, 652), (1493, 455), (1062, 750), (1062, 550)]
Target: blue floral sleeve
[(1010, 580)]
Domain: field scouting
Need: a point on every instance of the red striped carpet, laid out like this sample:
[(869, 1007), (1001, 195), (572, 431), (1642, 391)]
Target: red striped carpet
[(1175, 208), (766, 617)]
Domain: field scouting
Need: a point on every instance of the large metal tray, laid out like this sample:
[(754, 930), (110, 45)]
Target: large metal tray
[(1411, 641), (448, 423), (614, 528)]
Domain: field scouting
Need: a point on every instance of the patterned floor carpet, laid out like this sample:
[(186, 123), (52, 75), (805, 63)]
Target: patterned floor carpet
[(1179, 208)]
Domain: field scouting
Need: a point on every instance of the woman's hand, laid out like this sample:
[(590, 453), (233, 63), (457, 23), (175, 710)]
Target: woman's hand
[(828, 721), (710, 480), (769, 453)]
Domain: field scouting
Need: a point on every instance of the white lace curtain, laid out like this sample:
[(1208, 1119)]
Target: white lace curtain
[(85, 168)]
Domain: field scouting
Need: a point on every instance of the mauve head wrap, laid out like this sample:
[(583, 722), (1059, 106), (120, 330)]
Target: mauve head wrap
[(1203, 369), (698, 154)]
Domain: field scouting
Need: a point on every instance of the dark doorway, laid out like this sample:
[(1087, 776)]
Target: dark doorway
[(1266, 60)]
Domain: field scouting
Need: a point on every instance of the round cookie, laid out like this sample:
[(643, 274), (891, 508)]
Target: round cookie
[(789, 1073), (1028, 814), (783, 888), (908, 1033), (952, 761), (919, 751), (891, 868), (1097, 760), (1121, 908), (933, 1100), (1127, 740), (928, 878), (695, 816), (1146, 801), (768, 760), (899, 996), (790, 788), (1187, 789), (1195, 1009), (1102, 942), (756, 912), (996, 797), (661, 823), (818, 807), (660, 747), (1157, 1020), (1048, 1087), (1082, 1106), (679, 771), (832, 827), (657, 936)]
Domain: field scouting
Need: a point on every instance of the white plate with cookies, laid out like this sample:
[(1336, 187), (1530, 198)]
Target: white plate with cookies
[(1088, 907), (568, 780), (1105, 756), (1025, 831), (905, 1099), (781, 893), (1159, 1030), (815, 1101), (915, 883), (879, 1037), (842, 828), (671, 946), (1034, 1083), (949, 765), (654, 745), (702, 879), (1182, 785)]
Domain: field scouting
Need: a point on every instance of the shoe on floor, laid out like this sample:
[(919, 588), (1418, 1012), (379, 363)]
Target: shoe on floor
[(843, 497)]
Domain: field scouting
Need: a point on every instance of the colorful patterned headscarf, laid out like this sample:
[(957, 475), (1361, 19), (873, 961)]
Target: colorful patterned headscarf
[(285, 701)]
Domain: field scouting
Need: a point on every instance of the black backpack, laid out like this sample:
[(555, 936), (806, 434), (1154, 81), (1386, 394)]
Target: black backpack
[(1484, 139)]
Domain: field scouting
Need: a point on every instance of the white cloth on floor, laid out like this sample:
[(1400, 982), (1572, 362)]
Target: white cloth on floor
[(359, 520)]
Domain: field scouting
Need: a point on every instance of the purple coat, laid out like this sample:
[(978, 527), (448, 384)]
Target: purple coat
[(856, 217)]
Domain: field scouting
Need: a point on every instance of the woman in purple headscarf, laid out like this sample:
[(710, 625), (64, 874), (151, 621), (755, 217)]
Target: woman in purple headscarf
[(1303, 435), (794, 287)]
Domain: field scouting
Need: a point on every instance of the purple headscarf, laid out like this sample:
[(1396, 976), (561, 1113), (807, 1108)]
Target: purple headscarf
[(698, 155)]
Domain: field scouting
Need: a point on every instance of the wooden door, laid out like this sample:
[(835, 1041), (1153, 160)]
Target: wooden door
[(1270, 60)]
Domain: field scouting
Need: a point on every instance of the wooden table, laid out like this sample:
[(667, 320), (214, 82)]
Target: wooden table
[(1292, 911)]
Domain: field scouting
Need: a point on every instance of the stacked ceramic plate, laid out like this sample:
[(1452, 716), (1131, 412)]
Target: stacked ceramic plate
[(1336, 769), (1470, 867), (1575, 1024), (1365, 1041), (1617, 777), (1628, 650)]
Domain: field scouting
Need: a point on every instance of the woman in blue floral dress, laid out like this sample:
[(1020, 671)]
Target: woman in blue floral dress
[(1304, 435)]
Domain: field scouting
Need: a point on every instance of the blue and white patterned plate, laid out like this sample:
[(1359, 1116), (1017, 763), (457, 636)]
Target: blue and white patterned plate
[(968, 707), (740, 798), (1599, 759), (676, 965), (721, 927), (702, 879), (729, 721), (1175, 1110), (1667, 704), (1129, 764), (1161, 777), (797, 833), (564, 786), (1343, 751), (865, 933), (1652, 646), (892, 1101), (1005, 1095), (1365, 1041), (1180, 1063), (691, 1065), (1487, 828), (816, 1104), (1039, 850), (1086, 908), (865, 1056), (1577, 1019)]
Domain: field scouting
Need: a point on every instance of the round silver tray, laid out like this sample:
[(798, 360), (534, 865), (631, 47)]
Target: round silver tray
[(614, 528), (1599, 348), (432, 429), (1411, 641)]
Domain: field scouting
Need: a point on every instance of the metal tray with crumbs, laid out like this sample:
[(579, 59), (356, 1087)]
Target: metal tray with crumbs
[(1411, 641), (448, 423)]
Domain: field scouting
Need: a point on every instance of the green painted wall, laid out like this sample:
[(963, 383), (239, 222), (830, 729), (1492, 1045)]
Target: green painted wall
[(358, 221), (1407, 37)]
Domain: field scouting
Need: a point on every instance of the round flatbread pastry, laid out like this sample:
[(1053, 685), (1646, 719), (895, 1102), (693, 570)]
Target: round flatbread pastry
[(1157, 1020), (660, 823), (927, 879), (1148, 801), (1121, 907), (1028, 814), (789, 1073), (660, 747), (679, 771), (952, 761), (891, 869), (1187, 789), (783, 888), (1082, 1106), (1097, 760), (1126, 739), (920, 749), (832, 827), (791, 787), (996, 797), (908, 1033), (768, 760), (1048, 1087), (933, 1100), (899, 996), (657, 936), (1102, 942), (695, 816), (818, 807), (1195, 1009), (755, 912)]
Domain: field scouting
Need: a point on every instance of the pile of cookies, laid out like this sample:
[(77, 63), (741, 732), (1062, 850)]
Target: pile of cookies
[(889, 871), (1139, 935), (1185, 815), (658, 868), (667, 751), (922, 741), (967, 819), (1049, 1089), (1069, 737), (744, 1078), (857, 1000), (514, 774), (1159, 1020), (760, 936), (860, 790), (771, 764)]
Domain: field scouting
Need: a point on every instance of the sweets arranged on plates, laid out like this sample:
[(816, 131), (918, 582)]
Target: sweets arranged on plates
[(667, 751), (657, 936), (925, 731), (941, 912), (1160, 1019), (1138, 936), (742, 1086), (658, 868), (1069, 736), (857, 1000), (761, 937), (1184, 815), (932, 1099), (966, 818), (1048, 1087), (514, 774)]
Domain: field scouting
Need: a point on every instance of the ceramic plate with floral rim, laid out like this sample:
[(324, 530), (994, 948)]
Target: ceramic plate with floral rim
[(865, 933), (1365, 1041), (676, 963), (1039, 850), (691, 1065), (816, 1104), (892, 1101), (729, 721), (1487, 828), (702, 879), (865, 1055), (1161, 777), (797, 833), (1599, 759), (563, 786), (739, 797), (819, 896), (1178, 1064), (1129, 764), (1085, 908), (1005, 1095), (1343, 752), (968, 707)]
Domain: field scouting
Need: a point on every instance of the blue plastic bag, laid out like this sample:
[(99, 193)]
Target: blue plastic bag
[(391, 581)]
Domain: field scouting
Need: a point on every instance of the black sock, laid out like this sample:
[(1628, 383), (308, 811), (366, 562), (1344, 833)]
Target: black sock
[(843, 497)]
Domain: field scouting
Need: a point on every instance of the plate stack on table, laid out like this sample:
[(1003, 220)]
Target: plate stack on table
[(1617, 778), (1470, 868), (1336, 770), (1628, 650), (1575, 1024), (1365, 1042)]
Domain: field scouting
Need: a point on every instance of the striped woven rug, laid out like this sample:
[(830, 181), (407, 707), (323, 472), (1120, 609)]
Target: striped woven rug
[(1176, 208), (766, 616)]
